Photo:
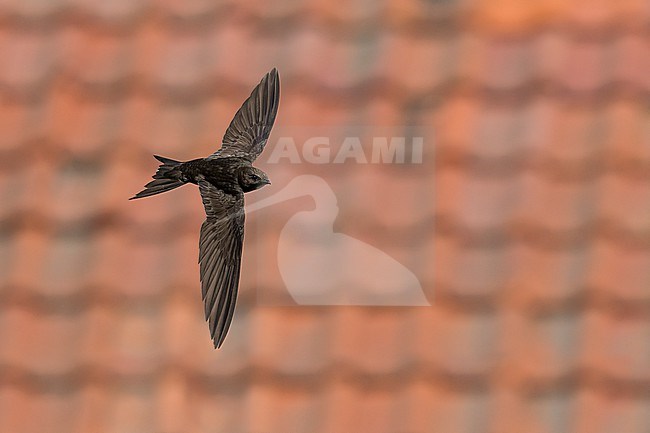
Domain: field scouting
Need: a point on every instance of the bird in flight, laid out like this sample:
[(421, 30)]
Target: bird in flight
[(223, 178)]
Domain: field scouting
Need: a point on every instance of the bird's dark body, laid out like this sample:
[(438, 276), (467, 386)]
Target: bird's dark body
[(223, 173), (223, 178)]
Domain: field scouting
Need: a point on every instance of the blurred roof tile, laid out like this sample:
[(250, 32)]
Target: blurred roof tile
[(7, 246), (632, 58), (12, 192), (512, 17), (411, 196), (55, 411), (66, 267), (343, 12), (73, 195), (29, 250), (220, 409), (82, 126), (277, 409), (504, 63), (488, 202), (29, 57), (584, 66), (31, 9), (97, 58), (189, 9), (136, 342), (364, 336), (456, 125), (477, 271), (166, 129), (620, 273), (242, 56), (548, 278), (456, 343), (597, 13), (185, 60), (572, 204), (498, 133), (41, 344), (616, 347), (291, 341), (430, 61), (435, 408), (131, 409), (629, 134), (117, 12), (351, 408), (598, 412), (196, 353), (551, 347), (17, 126), (577, 136), (624, 202), (127, 267)]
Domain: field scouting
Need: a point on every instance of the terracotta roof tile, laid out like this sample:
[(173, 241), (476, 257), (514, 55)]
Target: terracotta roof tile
[(41, 344), (131, 408), (632, 59), (512, 17), (475, 272), (584, 66), (224, 410), (551, 350), (96, 58), (66, 265), (279, 409), (55, 411), (624, 201), (33, 9), (572, 204), (615, 348), (29, 248), (487, 202), (15, 119), (81, 126), (117, 12), (135, 342), (420, 56), (544, 278), (464, 347), (189, 9), (601, 413), (620, 273), (73, 192), (295, 343), (353, 408), (30, 59), (389, 329)]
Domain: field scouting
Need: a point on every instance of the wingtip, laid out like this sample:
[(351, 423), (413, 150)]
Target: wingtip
[(273, 73)]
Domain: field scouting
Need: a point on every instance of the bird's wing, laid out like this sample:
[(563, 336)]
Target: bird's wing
[(251, 126), (220, 249)]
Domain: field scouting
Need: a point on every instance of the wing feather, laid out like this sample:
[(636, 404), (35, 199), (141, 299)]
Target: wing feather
[(220, 249), (251, 126)]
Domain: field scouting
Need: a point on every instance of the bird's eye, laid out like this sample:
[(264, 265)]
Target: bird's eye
[(255, 177)]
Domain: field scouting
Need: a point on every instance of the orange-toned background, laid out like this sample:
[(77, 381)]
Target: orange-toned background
[(539, 254)]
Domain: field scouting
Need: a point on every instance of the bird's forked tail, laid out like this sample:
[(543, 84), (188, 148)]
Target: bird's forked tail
[(167, 177)]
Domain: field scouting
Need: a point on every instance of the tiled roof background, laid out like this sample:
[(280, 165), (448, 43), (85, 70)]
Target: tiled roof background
[(539, 255)]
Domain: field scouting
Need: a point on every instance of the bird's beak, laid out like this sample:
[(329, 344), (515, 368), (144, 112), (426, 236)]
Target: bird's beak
[(268, 182)]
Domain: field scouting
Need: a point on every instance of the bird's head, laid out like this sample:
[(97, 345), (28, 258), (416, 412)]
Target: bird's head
[(251, 178)]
